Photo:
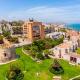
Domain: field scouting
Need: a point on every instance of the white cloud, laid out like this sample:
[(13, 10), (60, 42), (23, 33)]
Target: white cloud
[(65, 14)]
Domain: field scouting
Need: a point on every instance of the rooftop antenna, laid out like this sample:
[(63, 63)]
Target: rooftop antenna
[(31, 20)]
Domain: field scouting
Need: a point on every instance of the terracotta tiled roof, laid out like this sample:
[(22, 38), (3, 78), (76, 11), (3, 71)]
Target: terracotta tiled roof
[(66, 44), (72, 33)]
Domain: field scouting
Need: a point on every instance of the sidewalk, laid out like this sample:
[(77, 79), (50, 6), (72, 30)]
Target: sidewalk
[(74, 77), (8, 62)]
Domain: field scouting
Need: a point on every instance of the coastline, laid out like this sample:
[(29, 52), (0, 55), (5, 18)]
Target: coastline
[(75, 27)]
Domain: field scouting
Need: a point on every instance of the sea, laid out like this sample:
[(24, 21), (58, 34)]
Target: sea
[(73, 26)]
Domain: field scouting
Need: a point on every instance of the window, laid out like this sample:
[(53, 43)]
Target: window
[(73, 59), (66, 50), (35, 28), (5, 54), (55, 48), (59, 53), (70, 50)]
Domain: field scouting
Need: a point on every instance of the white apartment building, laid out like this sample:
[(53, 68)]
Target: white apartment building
[(55, 35), (66, 51)]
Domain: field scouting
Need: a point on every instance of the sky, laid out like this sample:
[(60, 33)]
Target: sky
[(43, 10)]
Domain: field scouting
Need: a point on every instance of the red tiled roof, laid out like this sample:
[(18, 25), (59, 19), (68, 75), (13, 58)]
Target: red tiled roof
[(72, 33)]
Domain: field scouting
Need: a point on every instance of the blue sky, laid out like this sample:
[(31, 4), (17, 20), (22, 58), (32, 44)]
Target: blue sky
[(44, 10)]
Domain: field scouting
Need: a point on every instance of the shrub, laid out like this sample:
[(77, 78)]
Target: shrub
[(17, 30), (1, 39), (40, 56), (15, 73), (46, 53), (13, 39), (40, 46), (56, 68), (27, 47), (6, 33)]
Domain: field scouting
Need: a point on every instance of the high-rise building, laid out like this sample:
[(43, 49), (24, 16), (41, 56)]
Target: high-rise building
[(33, 30)]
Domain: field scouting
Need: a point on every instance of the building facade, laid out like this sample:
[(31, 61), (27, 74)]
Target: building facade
[(55, 35), (7, 54), (65, 50), (33, 30)]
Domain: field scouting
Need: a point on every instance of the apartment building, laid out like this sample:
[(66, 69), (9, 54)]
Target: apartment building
[(55, 35), (33, 30), (65, 49)]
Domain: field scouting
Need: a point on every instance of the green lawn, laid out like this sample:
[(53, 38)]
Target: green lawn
[(78, 51), (31, 68), (77, 78)]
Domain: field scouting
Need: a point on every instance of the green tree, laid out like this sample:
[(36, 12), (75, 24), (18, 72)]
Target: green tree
[(27, 47), (40, 45), (13, 39), (15, 73), (33, 50), (1, 39), (48, 43), (17, 30), (6, 34), (17, 23), (40, 56), (46, 53)]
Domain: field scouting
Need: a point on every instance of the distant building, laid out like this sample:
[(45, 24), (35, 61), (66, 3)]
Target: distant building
[(6, 27), (33, 30), (49, 28), (55, 35), (74, 36)]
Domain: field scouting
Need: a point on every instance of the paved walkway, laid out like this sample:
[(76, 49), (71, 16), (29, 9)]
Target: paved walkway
[(8, 62), (74, 77), (56, 78), (21, 44), (26, 53)]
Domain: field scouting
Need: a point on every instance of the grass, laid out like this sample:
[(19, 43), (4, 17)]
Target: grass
[(69, 70), (77, 78), (31, 68), (78, 51)]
